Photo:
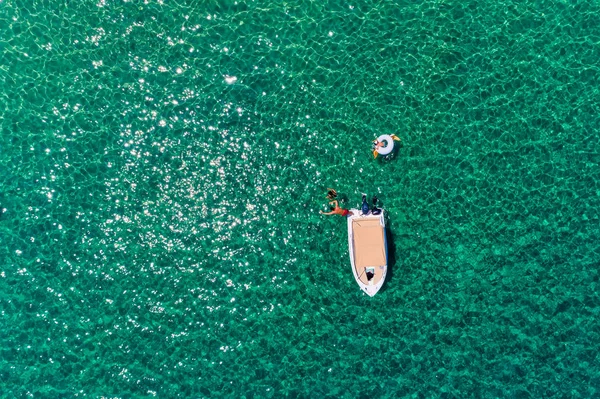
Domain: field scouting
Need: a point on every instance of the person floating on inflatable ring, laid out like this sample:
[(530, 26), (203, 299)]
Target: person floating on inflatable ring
[(384, 144)]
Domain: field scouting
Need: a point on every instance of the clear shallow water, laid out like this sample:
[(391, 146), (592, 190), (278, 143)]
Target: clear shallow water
[(162, 166)]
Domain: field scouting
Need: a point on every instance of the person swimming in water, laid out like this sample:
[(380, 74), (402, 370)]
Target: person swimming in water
[(336, 210), (331, 194)]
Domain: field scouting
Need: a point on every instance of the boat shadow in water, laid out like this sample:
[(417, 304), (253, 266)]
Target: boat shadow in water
[(391, 259)]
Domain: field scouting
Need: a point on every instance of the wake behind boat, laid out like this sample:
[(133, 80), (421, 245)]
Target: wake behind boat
[(368, 250)]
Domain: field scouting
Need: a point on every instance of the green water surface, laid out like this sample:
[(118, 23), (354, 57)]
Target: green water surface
[(162, 165)]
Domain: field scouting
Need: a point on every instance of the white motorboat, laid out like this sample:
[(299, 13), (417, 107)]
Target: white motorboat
[(368, 250)]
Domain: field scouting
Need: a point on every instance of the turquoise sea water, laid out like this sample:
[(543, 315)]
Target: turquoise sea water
[(162, 165)]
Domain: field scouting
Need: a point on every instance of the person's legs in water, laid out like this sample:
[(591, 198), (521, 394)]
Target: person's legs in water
[(331, 194)]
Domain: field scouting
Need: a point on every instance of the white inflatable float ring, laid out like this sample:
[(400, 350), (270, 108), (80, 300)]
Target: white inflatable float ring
[(389, 147)]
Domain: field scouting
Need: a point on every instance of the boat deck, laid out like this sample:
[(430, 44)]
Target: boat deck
[(369, 249)]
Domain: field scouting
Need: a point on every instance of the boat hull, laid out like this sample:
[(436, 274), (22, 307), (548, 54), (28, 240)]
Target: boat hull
[(367, 245)]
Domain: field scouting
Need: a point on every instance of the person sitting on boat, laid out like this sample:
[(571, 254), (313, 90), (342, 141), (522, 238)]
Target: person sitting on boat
[(365, 205), (375, 211), (331, 194), (336, 210)]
